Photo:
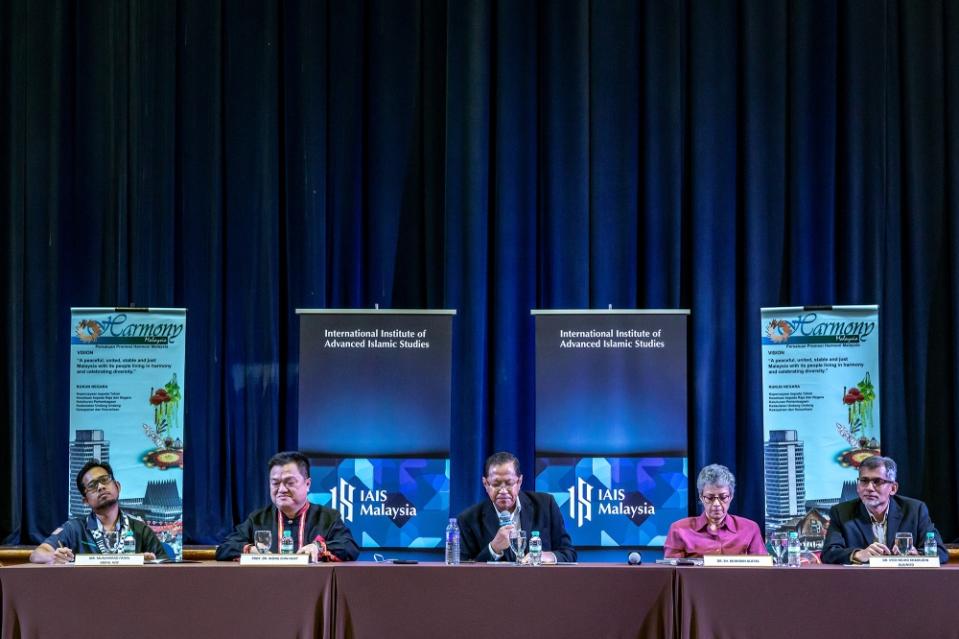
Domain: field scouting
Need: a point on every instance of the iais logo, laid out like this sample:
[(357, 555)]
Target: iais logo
[(610, 501), (581, 501), (343, 499), (373, 503)]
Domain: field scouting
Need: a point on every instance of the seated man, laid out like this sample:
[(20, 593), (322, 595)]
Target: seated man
[(716, 531), (87, 535), (485, 527), (866, 527), (317, 530)]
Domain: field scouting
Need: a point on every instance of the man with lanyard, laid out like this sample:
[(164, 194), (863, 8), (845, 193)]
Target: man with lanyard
[(867, 527), (316, 530), (486, 526), (103, 530)]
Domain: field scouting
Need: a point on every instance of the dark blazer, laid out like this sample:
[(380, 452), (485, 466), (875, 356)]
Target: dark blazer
[(850, 528), (538, 511)]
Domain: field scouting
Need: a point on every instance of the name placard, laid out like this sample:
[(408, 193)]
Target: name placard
[(904, 561), (274, 560), (751, 561), (109, 560)]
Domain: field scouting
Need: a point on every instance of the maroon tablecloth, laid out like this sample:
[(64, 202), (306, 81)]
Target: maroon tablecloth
[(426, 600), (434, 600), (188, 600), (817, 601)]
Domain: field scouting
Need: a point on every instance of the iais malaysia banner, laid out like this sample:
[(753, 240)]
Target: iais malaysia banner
[(820, 411), (611, 422), (374, 417), (126, 408)]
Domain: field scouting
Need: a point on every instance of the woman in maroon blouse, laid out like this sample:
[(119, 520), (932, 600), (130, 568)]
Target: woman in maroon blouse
[(715, 531)]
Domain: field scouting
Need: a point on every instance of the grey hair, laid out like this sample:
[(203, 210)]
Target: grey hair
[(715, 475), (878, 461)]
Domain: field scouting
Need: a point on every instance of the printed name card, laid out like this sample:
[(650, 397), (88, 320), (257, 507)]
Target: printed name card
[(274, 560), (751, 561), (109, 560), (903, 561)]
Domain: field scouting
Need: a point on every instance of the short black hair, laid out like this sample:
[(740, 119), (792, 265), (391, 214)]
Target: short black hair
[(291, 457), (500, 458), (93, 463)]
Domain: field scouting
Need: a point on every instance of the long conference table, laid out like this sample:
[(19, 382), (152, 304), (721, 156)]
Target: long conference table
[(432, 600)]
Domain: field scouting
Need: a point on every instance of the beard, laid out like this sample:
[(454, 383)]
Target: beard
[(105, 504)]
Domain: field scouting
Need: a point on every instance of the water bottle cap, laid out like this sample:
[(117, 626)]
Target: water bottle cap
[(535, 533), (287, 533), (930, 535), (793, 534), (452, 520)]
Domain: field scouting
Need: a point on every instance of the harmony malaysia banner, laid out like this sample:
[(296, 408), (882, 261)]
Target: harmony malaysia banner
[(611, 422), (820, 411), (126, 408), (374, 417)]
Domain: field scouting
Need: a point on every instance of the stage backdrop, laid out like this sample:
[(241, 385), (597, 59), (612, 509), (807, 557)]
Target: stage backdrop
[(820, 411), (126, 408), (374, 416), (611, 422), (244, 159)]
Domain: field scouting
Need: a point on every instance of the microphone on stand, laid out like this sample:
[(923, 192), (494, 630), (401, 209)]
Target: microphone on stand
[(634, 559)]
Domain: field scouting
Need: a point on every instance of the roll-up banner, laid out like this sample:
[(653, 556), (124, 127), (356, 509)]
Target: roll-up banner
[(374, 418), (820, 411), (611, 422), (126, 408)]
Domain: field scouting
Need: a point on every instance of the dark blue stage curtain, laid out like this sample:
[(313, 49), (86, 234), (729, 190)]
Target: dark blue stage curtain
[(244, 158)]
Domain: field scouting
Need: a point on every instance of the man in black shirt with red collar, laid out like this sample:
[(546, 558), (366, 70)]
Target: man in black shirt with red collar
[(316, 530)]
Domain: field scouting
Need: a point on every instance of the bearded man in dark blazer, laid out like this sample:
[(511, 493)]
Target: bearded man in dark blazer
[(867, 527), (485, 527)]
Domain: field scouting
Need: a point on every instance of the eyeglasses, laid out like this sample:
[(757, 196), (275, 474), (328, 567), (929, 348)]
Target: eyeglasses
[(500, 485), (708, 499), (102, 480), (877, 482), (289, 483)]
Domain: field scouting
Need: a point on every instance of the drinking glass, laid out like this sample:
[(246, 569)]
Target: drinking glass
[(903, 542), (777, 546), (263, 540), (517, 541), (112, 538)]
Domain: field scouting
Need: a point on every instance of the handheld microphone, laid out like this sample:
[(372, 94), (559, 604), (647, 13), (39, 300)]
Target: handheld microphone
[(634, 559), (505, 519)]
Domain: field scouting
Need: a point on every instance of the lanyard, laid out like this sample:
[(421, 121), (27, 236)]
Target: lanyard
[(301, 515), (121, 526)]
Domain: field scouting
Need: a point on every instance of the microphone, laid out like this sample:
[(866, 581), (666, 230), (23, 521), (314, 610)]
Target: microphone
[(634, 559), (505, 519)]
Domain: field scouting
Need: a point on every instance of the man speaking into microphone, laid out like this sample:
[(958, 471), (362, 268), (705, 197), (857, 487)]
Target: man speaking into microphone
[(485, 527)]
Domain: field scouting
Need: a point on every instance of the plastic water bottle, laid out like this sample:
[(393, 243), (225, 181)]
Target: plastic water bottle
[(793, 550), (129, 542), (929, 548), (453, 543), (286, 544), (535, 549)]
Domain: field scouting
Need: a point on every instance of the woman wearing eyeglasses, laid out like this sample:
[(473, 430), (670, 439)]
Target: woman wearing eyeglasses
[(715, 531)]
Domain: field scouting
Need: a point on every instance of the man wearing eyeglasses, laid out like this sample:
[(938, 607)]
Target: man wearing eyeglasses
[(103, 530), (867, 527), (316, 530), (485, 528)]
